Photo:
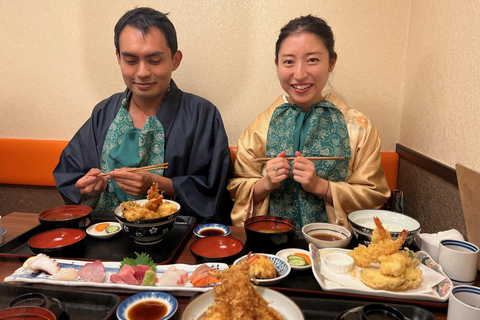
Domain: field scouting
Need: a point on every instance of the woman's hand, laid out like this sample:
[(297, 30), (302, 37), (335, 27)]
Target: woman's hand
[(304, 173), (277, 171), (91, 184)]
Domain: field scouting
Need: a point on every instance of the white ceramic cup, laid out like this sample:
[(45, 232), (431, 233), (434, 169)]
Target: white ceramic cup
[(459, 260), (464, 303)]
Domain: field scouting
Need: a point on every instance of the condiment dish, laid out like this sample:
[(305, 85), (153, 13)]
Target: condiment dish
[(338, 262), (281, 264), (107, 231), (211, 229), (362, 225), (292, 251), (136, 305), (326, 235)]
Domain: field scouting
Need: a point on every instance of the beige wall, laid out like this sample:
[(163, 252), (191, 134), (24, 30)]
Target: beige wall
[(411, 66)]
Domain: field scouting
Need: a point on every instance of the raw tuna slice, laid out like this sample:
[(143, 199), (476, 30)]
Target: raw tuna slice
[(125, 275), (140, 272), (93, 271)]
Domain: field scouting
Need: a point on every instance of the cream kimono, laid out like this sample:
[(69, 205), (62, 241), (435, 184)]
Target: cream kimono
[(365, 188)]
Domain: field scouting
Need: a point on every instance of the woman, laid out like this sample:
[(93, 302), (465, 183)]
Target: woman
[(307, 122)]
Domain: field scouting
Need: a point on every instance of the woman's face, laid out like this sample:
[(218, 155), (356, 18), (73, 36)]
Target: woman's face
[(303, 66)]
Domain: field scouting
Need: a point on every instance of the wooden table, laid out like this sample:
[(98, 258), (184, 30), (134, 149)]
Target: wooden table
[(17, 223)]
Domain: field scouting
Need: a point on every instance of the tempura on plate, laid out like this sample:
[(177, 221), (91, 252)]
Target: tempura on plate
[(397, 267), (154, 208), (236, 297)]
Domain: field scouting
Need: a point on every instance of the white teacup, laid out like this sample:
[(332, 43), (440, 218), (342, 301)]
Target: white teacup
[(459, 260), (464, 303)]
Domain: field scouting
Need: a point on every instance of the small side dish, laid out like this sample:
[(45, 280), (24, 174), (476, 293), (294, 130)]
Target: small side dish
[(104, 230), (298, 259), (148, 305), (211, 229), (266, 272)]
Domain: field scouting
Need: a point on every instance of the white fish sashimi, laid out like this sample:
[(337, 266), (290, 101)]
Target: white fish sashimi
[(66, 274), (173, 277), (41, 262)]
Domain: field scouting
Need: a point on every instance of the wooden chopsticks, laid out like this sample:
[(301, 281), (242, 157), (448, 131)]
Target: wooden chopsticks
[(293, 158), (146, 168)]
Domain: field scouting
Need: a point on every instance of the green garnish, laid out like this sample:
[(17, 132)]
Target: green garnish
[(143, 258), (149, 278)]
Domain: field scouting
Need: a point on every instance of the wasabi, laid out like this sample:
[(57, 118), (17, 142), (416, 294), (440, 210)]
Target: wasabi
[(149, 278)]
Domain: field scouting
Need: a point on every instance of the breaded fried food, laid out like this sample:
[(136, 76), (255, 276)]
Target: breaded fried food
[(235, 297), (376, 280), (395, 264), (412, 276), (154, 208), (263, 268), (381, 245)]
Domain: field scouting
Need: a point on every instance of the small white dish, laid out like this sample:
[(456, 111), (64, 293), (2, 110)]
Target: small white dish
[(287, 252), (281, 264), (338, 262), (211, 229), (167, 299), (103, 234)]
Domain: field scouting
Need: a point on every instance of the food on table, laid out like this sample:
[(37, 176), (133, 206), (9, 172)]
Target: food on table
[(150, 278), (101, 226), (66, 274), (397, 267), (203, 276), (41, 262), (262, 267), (382, 244), (111, 229), (236, 298), (299, 259), (173, 277), (140, 259), (154, 208), (92, 271)]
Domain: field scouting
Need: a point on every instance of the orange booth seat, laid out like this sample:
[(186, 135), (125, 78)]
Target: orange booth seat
[(31, 162)]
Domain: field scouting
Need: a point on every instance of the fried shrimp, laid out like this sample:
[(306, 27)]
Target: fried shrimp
[(381, 245), (236, 298), (263, 268), (154, 208)]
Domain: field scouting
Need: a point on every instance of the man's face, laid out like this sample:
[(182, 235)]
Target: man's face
[(146, 63)]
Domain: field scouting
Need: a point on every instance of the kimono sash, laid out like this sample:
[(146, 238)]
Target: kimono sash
[(127, 146), (322, 131)]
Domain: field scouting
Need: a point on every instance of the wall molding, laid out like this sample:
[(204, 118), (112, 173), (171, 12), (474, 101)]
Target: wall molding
[(439, 169)]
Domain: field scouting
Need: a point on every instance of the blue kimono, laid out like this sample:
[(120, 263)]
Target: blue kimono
[(195, 146)]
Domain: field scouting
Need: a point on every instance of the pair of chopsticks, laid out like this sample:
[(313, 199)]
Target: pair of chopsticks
[(293, 158), (146, 168)]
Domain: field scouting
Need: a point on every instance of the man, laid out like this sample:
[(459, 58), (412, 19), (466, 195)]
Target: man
[(151, 122)]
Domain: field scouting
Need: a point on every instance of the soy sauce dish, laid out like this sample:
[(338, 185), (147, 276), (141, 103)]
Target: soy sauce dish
[(104, 230), (211, 229), (148, 305), (326, 235)]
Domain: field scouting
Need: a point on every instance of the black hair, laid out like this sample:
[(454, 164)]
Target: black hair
[(312, 24), (143, 19)]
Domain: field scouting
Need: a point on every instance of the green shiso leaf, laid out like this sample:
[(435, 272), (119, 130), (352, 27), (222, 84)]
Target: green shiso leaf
[(143, 258)]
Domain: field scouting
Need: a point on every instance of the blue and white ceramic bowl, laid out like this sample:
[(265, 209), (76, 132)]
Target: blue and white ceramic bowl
[(167, 299), (211, 229), (282, 266)]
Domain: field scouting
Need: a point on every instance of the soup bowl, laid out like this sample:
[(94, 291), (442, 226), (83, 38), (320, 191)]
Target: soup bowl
[(147, 231), (70, 216), (269, 234), (326, 235)]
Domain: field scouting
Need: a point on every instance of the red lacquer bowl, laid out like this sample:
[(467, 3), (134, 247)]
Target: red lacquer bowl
[(27, 312), (216, 249), (57, 241), (72, 216)]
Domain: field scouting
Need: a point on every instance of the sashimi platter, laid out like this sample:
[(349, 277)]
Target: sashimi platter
[(139, 273)]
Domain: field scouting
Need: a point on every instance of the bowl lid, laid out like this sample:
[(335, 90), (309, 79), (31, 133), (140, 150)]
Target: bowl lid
[(56, 238), (216, 247)]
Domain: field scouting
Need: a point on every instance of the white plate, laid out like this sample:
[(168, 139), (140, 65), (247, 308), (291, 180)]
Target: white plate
[(278, 301), (286, 252), (103, 235), (110, 268), (438, 292)]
